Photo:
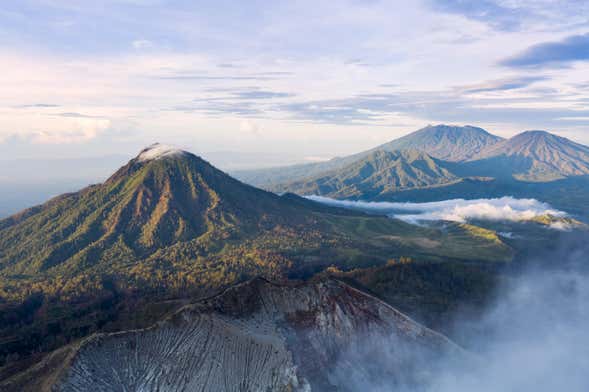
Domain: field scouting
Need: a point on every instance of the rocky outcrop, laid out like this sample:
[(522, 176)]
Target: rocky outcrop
[(260, 336)]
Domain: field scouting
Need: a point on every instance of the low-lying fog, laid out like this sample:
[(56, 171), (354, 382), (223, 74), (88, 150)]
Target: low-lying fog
[(459, 210), (534, 338)]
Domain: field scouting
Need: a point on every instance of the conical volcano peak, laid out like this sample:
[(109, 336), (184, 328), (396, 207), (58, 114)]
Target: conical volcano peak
[(150, 154), (159, 151), (537, 135)]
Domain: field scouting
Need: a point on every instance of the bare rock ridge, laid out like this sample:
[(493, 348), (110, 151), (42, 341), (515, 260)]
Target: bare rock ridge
[(256, 336)]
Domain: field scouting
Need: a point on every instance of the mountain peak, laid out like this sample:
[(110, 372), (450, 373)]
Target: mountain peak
[(441, 127), (447, 142), (529, 141), (163, 197), (537, 134), (540, 156), (158, 151)]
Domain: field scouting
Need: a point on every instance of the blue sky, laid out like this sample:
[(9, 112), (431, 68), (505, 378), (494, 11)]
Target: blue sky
[(311, 79)]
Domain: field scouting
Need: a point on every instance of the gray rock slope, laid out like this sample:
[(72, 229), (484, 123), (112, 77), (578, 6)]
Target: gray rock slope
[(260, 336)]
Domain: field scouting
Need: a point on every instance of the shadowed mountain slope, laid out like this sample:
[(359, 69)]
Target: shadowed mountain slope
[(377, 174)]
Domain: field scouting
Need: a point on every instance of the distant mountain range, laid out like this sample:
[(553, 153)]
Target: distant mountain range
[(444, 142), (434, 156)]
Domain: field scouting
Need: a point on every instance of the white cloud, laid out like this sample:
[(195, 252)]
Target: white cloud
[(142, 44), (158, 151), (458, 210), (75, 130), (249, 126)]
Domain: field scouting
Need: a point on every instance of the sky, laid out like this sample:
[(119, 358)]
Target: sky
[(306, 80)]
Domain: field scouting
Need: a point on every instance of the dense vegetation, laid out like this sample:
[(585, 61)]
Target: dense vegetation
[(179, 228), (432, 293), (377, 174)]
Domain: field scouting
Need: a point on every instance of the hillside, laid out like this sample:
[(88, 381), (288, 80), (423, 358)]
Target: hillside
[(535, 156), (160, 211), (377, 174), (446, 142), (255, 336), (169, 225)]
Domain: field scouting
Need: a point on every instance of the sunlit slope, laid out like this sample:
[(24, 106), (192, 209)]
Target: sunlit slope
[(176, 221)]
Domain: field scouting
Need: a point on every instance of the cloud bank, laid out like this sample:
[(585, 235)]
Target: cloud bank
[(458, 210)]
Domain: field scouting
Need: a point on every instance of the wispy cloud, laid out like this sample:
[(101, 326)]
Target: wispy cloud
[(488, 11), (552, 54), (211, 77), (75, 115), (38, 106), (502, 84), (261, 94), (142, 44), (541, 109), (519, 15)]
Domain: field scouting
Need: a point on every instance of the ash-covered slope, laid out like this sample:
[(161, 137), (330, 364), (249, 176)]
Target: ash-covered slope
[(257, 336), (379, 173)]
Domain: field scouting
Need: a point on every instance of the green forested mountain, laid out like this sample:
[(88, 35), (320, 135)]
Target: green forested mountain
[(377, 174), (175, 214), (147, 205), (169, 225)]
